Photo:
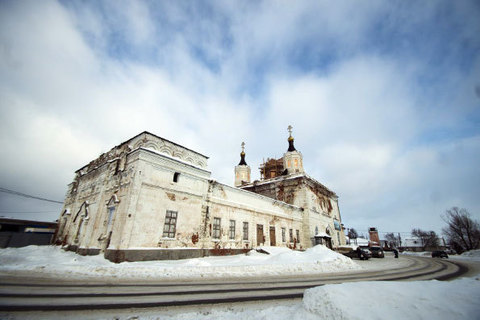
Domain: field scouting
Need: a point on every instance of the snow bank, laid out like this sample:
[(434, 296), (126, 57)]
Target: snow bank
[(427, 300), (396, 300), (471, 254), (281, 261), (418, 254)]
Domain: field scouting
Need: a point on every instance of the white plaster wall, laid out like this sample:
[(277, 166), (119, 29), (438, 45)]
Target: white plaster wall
[(230, 203), (96, 188), (321, 218), (155, 193)]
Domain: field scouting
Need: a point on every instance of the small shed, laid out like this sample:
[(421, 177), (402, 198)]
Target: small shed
[(21, 233)]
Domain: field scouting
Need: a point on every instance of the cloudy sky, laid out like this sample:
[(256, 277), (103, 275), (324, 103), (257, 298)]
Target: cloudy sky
[(383, 96)]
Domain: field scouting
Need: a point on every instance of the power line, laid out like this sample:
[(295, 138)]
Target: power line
[(363, 230), (21, 194), (7, 211)]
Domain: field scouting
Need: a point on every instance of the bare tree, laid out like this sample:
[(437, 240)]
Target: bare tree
[(428, 238), (393, 240), (352, 234), (462, 231)]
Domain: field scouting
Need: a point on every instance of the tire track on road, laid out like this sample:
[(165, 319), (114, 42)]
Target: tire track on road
[(193, 293)]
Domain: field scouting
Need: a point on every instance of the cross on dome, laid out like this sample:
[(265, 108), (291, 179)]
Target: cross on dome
[(242, 156), (290, 139)]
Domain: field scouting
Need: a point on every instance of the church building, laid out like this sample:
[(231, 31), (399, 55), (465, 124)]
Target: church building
[(150, 198)]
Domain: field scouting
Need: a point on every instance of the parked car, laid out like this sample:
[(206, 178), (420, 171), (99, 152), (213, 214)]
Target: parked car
[(377, 252), (363, 253), (360, 253), (439, 254)]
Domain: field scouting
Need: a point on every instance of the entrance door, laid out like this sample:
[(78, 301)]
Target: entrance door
[(272, 236), (260, 234), (328, 242)]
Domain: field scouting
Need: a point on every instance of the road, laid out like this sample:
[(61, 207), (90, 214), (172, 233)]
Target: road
[(29, 294)]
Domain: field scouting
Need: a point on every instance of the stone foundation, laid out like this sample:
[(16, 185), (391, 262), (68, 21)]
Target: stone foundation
[(88, 251), (83, 251), (167, 254)]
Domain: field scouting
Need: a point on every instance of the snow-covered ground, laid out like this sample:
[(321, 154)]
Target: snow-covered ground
[(457, 299), (51, 260), (472, 255), (438, 300)]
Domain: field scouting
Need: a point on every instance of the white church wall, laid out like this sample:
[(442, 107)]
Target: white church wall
[(242, 206), (158, 193)]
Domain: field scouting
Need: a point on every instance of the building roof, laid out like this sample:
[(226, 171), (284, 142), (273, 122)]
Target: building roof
[(291, 177), (19, 222), (412, 242), (103, 158), (179, 145)]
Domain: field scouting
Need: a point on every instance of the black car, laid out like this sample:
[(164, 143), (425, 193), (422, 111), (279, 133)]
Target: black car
[(360, 253), (377, 252), (363, 253), (439, 254)]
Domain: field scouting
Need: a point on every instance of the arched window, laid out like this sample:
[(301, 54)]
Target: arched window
[(82, 211), (83, 214), (111, 207)]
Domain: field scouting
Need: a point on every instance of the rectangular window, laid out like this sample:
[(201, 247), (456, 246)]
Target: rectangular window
[(290, 231), (216, 228), (298, 235), (170, 224), (283, 235), (232, 230), (245, 231)]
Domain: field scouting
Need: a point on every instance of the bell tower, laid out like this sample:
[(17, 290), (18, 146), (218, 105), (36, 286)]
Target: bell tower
[(292, 159), (242, 170)]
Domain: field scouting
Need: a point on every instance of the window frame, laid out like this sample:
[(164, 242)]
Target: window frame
[(216, 228), (245, 231), (170, 216), (231, 230)]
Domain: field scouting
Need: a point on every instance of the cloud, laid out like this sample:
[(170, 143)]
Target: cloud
[(382, 98)]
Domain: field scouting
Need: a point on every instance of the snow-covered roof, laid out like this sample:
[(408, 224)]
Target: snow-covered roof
[(322, 235), (412, 242), (361, 241)]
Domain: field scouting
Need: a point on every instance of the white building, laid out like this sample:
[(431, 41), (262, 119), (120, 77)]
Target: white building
[(149, 198)]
